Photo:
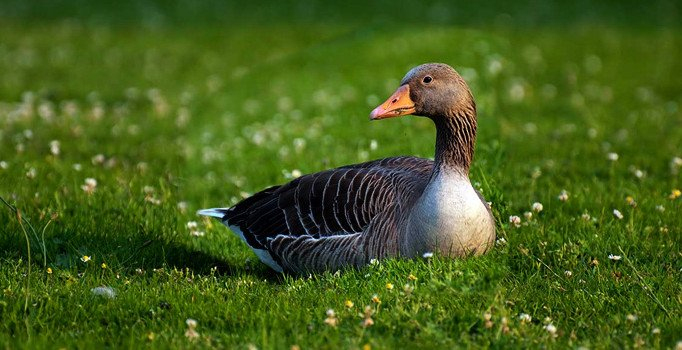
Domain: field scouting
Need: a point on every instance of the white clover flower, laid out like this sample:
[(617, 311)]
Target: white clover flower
[(537, 207), (77, 167), (660, 208), (638, 173), (192, 225), (191, 332), (676, 161), (373, 145), (612, 156), (551, 329), (568, 273), (98, 159), (631, 317), (617, 214), (89, 186), (586, 217), (3, 165), (296, 173), (191, 323), (525, 318), (31, 173), (515, 220), (563, 196), (299, 144), (615, 257), (104, 291), (427, 255), (54, 147), (528, 215), (501, 241)]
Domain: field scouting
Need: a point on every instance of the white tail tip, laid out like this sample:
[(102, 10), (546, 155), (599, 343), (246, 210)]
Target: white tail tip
[(214, 212)]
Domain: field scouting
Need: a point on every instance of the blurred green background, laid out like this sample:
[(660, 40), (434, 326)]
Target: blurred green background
[(173, 106)]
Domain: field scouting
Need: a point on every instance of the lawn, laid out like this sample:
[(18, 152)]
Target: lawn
[(119, 120)]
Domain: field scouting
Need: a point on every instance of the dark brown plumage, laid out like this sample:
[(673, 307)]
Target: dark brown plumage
[(399, 206)]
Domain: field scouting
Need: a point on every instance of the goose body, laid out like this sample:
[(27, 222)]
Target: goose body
[(391, 207)]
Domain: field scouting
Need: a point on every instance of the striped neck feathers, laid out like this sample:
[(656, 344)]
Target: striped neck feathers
[(455, 140)]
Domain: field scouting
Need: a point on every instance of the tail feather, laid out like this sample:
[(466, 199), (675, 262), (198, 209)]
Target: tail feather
[(214, 212)]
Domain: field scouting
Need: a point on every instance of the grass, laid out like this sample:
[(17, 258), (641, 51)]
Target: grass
[(173, 109)]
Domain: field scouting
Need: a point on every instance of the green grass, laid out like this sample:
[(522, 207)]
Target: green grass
[(186, 105)]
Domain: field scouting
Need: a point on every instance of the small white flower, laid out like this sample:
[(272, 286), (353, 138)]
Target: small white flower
[(373, 261), (90, 182), (104, 291), (563, 196), (615, 257), (528, 215), (182, 206), (515, 220), (660, 208), (501, 241), (617, 214), (551, 329), (98, 159), (89, 186), (525, 318), (586, 217), (631, 317), (656, 330), (3, 165), (568, 273), (54, 147), (373, 145), (331, 313), (639, 173), (676, 161), (296, 173), (191, 323), (31, 173), (299, 144), (536, 207), (77, 167), (612, 156), (192, 225), (427, 255)]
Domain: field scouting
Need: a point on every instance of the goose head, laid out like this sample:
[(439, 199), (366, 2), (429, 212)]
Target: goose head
[(433, 90)]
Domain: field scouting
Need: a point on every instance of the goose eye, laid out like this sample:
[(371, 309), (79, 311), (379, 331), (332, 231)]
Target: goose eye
[(427, 79)]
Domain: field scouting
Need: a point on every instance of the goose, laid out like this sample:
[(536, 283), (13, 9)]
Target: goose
[(393, 207)]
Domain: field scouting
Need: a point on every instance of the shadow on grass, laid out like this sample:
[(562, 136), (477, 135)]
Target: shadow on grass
[(125, 256)]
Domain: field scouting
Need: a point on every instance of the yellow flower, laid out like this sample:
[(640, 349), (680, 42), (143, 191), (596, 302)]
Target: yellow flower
[(49, 271), (349, 304), (412, 277), (85, 258), (375, 299), (104, 266), (675, 193), (630, 201), (389, 286)]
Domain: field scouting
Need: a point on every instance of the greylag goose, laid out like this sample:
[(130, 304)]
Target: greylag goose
[(391, 207)]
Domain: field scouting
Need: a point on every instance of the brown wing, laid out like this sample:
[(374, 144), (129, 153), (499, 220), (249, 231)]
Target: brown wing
[(334, 202)]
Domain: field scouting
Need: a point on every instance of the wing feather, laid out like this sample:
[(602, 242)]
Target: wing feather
[(334, 202)]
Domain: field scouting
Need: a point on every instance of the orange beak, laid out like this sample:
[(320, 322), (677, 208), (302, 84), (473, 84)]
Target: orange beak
[(398, 104)]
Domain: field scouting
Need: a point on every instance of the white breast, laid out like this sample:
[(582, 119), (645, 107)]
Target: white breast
[(449, 218)]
